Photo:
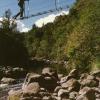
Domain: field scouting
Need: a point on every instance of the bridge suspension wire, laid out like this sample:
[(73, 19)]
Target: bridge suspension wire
[(42, 13), (28, 8), (56, 4), (45, 6), (57, 8)]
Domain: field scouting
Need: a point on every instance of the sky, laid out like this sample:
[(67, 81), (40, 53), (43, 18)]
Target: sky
[(34, 7)]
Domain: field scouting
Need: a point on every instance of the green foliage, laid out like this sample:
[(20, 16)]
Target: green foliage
[(74, 37), (83, 43), (12, 49)]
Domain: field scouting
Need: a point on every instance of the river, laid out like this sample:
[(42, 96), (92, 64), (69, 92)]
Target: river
[(5, 89)]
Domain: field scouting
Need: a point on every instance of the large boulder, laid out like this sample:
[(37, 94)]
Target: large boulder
[(50, 72), (32, 77), (71, 85), (49, 83), (50, 78), (9, 81), (31, 89), (31, 92)]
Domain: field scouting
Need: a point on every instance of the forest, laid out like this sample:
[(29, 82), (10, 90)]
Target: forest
[(72, 39)]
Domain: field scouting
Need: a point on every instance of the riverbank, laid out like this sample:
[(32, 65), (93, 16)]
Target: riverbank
[(49, 85)]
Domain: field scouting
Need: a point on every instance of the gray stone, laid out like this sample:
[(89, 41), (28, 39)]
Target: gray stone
[(63, 94), (50, 72), (86, 94), (49, 83), (96, 73), (6, 80), (57, 89), (71, 85), (73, 95), (47, 98), (14, 94), (32, 77), (90, 81), (74, 73), (31, 89)]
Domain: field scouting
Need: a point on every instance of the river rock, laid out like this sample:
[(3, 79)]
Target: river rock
[(49, 72), (71, 85), (90, 81), (15, 72), (18, 72), (86, 94), (57, 89), (32, 77), (60, 76), (47, 98), (83, 76), (3, 85), (14, 94), (96, 73), (50, 83), (97, 92), (63, 94), (9, 81), (46, 86), (31, 89), (8, 73), (63, 79), (84, 90), (74, 73), (73, 95)]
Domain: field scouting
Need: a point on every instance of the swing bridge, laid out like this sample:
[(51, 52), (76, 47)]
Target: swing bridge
[(55, 9)]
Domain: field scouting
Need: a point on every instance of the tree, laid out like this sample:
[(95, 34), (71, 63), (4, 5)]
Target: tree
[(12, 49)]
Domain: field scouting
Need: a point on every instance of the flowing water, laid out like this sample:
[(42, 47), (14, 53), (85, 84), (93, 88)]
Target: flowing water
[(5, 89)]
